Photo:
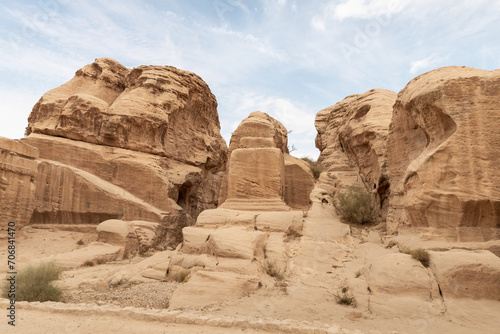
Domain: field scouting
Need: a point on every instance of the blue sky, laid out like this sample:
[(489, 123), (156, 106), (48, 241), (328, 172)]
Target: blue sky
[(288, 58)]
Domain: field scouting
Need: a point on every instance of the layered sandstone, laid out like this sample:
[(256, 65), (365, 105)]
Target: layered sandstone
[(18, 170), (247, 234), (352, 138), (129, 144), (443, 157), (152, 109), (261, 175)]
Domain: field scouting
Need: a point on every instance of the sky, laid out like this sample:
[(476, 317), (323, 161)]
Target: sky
[(288, 58)]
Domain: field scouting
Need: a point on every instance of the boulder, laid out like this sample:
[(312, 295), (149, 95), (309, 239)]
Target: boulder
[(400, 284), (467, 274), (18, 170), (443, 157), (131, 237), (231, 242)]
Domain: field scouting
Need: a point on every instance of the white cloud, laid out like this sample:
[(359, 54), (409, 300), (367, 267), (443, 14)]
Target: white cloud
[(16, 107), (418, 65), (254, 42), (364, 9), (318, 23)]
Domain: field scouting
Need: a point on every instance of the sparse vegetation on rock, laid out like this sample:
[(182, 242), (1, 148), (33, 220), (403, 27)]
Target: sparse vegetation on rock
[(316, 167), (355, 206), (419, 254), (344, 299), (35, 284), (274, 270), (181, 276)]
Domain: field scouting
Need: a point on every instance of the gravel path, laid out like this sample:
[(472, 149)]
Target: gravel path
[(146, 295)]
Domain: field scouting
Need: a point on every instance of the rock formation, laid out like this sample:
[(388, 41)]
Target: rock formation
[(18, 170), (352, 138), (130, 144), (259, 167), (247, 233), (443, 153)]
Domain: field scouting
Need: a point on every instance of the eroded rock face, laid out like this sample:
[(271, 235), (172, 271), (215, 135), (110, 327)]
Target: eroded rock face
[(352, 138), (18, 170), (153, 109), (443, 158), (261, 175), (129, 144)]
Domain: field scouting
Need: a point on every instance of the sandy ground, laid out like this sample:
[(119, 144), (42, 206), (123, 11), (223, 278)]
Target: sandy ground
[(38, 322), (307, 296)]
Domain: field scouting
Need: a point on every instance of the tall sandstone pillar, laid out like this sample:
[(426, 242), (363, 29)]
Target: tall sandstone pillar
[(256, 167)]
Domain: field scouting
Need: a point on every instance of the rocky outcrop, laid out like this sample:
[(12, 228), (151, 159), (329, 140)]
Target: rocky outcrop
[(18, 170), (129, 144), (153, 109), (443, 157), (246, 236), (352, 138), (259, 167)]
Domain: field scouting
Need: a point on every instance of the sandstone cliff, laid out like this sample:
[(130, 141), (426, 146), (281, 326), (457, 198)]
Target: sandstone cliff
[(352, 138), (443, 157), (428, 155), (131, 144), (18, 170)]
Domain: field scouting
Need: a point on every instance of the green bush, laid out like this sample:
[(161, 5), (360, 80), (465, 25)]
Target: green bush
[(181, 276), (35, 284), (421, 255), (316, 168), (355, 205), (344, 299)]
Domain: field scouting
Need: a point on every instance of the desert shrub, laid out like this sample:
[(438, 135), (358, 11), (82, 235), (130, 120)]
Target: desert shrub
[(355, 205), (358, 273), (344, 299), (88, 263), (35, 284), (273, 270), (316, 168), (181, 276), (421, 255)]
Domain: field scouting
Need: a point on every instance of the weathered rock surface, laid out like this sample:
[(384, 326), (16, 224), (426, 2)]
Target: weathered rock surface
[(259, 167), (18, 170), (352, 138), (299, 183), (129, 144), (443, 158), (207, 287), (465, 274), (398, 281), (153, 109), (132, 237)]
